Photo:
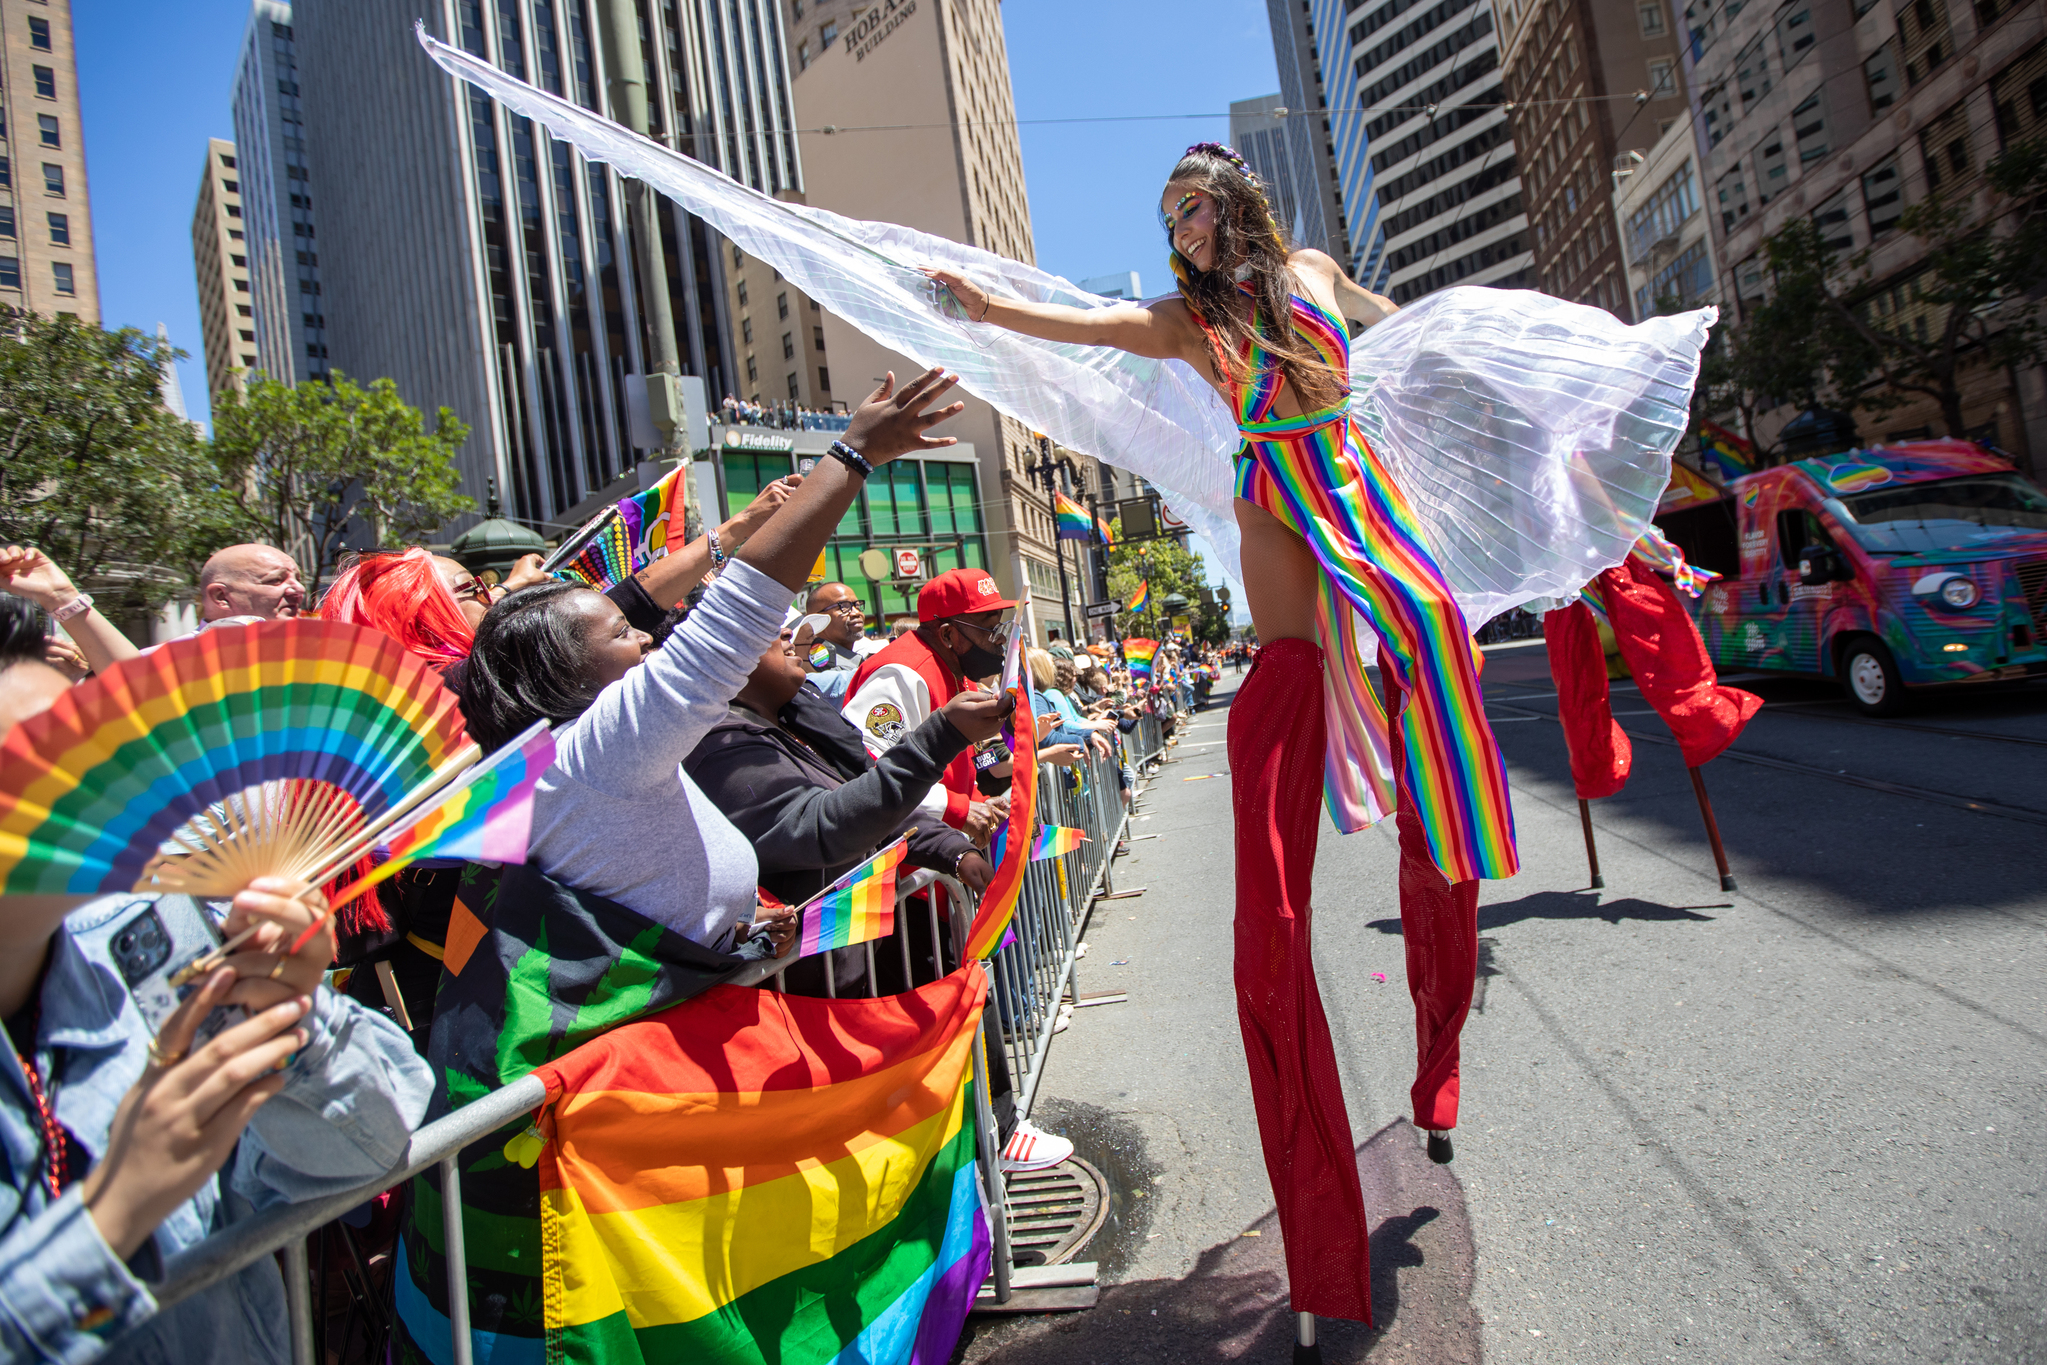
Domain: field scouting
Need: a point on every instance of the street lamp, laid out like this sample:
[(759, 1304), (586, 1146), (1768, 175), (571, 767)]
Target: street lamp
[(1048, 474)]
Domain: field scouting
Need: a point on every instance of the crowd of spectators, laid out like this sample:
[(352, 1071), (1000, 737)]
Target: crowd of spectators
[(783, 415), (722, 753)]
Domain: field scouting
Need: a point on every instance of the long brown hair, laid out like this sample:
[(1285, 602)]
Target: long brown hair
[(1246, 232)]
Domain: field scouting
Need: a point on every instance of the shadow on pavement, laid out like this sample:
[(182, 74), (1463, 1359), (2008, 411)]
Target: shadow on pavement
[(1572, 905), (1233, 1306)]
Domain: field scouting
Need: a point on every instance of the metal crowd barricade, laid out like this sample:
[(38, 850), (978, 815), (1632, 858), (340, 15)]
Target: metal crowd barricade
[(1029, 976)]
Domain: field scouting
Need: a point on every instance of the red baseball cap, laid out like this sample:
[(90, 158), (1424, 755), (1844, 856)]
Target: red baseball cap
[(959, 592)]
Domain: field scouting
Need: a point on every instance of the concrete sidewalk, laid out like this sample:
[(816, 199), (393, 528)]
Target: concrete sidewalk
[(1797, 1122)]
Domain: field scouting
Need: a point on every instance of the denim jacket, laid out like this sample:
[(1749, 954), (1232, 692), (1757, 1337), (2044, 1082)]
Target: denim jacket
[(353, 1095)]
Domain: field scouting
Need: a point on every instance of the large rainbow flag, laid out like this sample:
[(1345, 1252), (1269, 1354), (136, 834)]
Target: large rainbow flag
[(1074, 522), (636, 536), (1138, 653), (1730, 454), (1012, 846), (1140, 599), (857, 908), (753, 1177)]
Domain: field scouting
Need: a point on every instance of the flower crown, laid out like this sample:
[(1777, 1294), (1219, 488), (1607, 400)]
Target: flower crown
[(1229, 154)]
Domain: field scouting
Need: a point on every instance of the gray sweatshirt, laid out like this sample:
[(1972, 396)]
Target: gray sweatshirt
[(617, 816)]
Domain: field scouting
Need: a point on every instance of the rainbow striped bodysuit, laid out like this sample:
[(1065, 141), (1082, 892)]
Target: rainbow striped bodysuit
[(1319, 476)]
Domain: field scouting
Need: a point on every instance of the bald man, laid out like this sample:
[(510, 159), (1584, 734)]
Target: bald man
[(245, 583)]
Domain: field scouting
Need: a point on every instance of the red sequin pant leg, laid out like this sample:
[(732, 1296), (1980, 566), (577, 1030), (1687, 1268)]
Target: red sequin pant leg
[(1439, 922), (1276, 752)]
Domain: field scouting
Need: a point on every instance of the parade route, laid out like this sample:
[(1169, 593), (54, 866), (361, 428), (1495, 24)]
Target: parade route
[(1799, 1121)]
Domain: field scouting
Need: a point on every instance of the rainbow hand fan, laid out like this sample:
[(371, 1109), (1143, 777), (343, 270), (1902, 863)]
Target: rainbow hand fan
[(262, 750)]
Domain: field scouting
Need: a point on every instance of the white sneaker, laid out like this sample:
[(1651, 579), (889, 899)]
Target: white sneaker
[(1031, 1148)]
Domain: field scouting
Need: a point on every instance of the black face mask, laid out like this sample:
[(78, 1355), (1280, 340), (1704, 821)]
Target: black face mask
[(976, 661)]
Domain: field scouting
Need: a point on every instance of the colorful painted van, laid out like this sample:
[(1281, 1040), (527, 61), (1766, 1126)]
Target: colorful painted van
[(1906, 566)]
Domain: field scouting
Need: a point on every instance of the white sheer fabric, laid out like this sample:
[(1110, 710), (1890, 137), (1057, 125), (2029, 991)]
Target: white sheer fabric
[(1532, 436)]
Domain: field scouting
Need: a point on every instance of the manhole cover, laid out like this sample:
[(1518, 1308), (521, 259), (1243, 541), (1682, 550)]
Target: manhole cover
[(1053, 1212)]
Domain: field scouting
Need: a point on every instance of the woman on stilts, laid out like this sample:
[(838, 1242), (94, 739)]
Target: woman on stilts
[(1327, 536)]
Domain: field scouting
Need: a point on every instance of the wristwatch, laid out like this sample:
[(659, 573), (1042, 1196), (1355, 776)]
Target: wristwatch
[(77, 606)]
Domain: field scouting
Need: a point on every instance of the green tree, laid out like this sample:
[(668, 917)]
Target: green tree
[(1969, 301), (306, 460), (1168, 565), (94, 470)]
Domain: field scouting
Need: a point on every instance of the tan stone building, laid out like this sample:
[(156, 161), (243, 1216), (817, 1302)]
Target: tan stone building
[(931, 80), (778, 342), (220, 263), (1591, 80), (46, 259)]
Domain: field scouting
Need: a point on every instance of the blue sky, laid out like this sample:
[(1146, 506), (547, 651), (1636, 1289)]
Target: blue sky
[(156, 81)]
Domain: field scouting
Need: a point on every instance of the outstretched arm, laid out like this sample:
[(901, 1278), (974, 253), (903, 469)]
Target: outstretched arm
[(1353, 300), (1164, 332)]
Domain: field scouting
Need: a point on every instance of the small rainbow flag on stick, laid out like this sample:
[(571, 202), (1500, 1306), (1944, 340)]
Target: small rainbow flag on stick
[(857, 908), (1138, 654), (1140, 599), (1055, 840), (1074, 522)]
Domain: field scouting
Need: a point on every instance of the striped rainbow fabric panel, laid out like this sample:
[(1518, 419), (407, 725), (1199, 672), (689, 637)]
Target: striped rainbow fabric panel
[(1140, 599), (759, 1177), (857, 908), (1013, 839), (1138, 654), (1074, 522)]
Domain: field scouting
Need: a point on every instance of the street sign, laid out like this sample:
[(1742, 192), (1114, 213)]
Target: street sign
[(1097, 610), (909, 564), (1168, 522), (1135, 515), (874, 563)]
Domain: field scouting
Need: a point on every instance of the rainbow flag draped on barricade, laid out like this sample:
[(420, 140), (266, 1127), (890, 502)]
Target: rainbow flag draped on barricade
[(1012, 847), (761, 1177), (1074, 522), (537, 975), (634, 535)]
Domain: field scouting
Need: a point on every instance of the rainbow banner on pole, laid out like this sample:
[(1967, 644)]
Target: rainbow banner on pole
[(750, 1176), (636, 536), (1108, 533), (1012, 845), (1138, 654), (1074, 522), (857, 908), (1731, 455), (1054, 841), (1140, 599)]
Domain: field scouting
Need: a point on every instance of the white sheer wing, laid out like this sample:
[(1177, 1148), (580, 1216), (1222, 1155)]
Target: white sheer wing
[(1532, 436)]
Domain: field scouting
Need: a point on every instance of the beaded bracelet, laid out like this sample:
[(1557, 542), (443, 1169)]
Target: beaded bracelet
[(850, 458)]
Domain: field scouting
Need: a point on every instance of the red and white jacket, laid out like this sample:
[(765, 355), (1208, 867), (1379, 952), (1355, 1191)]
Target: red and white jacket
[(892, 693)]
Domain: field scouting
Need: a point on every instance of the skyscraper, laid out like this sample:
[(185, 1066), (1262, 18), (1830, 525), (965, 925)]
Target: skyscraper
[(277, 199), (220, 265), (1591, 81), (1433, 148), (485, 266), (1321, 216), (46, 254), (921, 130), (1261, 137)]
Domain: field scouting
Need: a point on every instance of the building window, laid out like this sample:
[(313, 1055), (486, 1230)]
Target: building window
[(753, 371), (60, 229), (6, 174), (1771, 173), (1661, 83), (249, 337), (231, 186), (828, 33), (51, 134), (238, 262), (242, 285), (2018, 94), (1880, 75), (746, 330), (742, 293), (53, 179), (39, 35), (1945, 146), (10, 272), (817, 337), (1752, 73), (234, 211), (1923, 29), (738, 256), (824, 380), (1795, 33), (227, 161), (46, 82), (1668, 209), (6, 221), (782, 307), (788, 346), (1651, 17), (1749, 284), (1809, 127), (234, 234), (1835, 221), (1883, 195), (803, 55), (242, 310), (60, 275), (794, 388)]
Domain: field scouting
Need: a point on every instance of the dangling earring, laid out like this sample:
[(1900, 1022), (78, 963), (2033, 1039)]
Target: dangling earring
[(1179, 265)]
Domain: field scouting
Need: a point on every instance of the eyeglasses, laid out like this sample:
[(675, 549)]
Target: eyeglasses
[(1000, 634), (475, 589), (846, 609)]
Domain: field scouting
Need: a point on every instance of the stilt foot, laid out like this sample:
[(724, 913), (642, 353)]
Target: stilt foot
[(1307, 1355), (1598, 882), (1727, 882), (1440, 1150)]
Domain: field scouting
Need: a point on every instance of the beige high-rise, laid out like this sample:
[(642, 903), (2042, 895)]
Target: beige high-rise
[(932, 80), (46, 260), (220, 262)]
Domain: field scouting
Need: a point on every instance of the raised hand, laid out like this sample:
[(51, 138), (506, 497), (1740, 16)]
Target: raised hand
[(972, 297), (279, 912), (978, 715), (892, 422)]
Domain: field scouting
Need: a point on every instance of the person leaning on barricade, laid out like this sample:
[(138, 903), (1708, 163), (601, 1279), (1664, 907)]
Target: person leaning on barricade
[(117, 1140)]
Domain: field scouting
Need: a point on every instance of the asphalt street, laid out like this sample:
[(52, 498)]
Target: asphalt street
[(1803, 1121)]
